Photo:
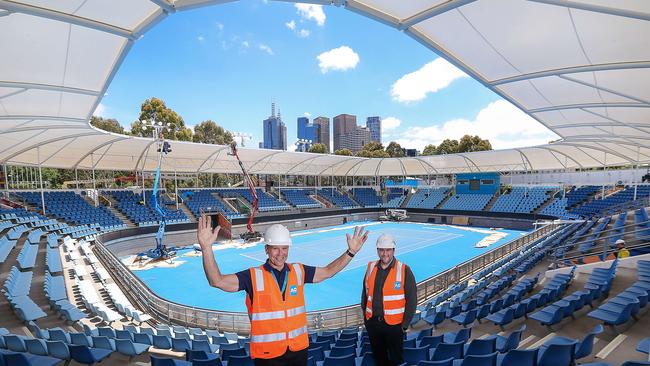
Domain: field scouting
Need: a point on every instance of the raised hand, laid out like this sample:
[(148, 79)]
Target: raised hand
[(358, 238), (204, 233)]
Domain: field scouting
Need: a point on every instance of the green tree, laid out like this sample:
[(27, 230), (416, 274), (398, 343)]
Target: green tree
[(395, 150), (473, 143), (109, 124), (430, 150), (379, 154), (448, 146), (373, 146), (208, 132), (155, 109), (345, 152), (318, 148)]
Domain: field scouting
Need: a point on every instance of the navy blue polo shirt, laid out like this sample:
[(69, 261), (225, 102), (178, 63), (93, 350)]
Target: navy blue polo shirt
[(246, 282)]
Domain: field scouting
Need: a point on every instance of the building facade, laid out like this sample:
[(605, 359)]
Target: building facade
[(275, 132), (308, 132), (356, 139), (374, 125), (324, 131), (343, 124)]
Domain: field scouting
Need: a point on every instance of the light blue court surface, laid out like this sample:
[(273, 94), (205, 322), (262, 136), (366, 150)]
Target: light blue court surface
[(428, 249)]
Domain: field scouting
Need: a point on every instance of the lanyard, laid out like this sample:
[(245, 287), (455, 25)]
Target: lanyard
[(284, 284)]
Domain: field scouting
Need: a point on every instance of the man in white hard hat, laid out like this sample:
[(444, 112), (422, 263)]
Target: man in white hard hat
[(621, 251), (388, 301), (274, 292)]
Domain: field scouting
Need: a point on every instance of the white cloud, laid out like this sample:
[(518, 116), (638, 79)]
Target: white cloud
[(312, 12), (200, 38), (303, 33), (500, 122), (220, 26), (415, 86), (100, 111), (291, 25), (307, 114), (266, 49), (340, 59), (245, 44), (390, 123)]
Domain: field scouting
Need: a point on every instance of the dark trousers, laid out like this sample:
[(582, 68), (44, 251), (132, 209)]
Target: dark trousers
[(289, 358), (386, 342)]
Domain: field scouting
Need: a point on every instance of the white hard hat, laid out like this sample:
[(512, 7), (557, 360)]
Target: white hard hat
[(385, 241), (620, 241), (277, 234)]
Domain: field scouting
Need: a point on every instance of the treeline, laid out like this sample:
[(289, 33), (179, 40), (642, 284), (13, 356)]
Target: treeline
[(206, 132), (394, 150)]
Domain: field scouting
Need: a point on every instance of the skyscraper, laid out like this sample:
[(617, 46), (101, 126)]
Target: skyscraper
[(374, 125), (275, 132), (356, 139), (308, 131), (343, 123), (324, 131)]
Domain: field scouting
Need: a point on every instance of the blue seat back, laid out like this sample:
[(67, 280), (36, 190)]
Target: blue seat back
[(557, 355), (520, 357), (431, 341), (339, 361), (480, 360), (585, 347), (343, 351), (317, 353), (226, 353), (234, 360), (58, 349), (414, 355), (160, 361), (481, 346), (448, 350), (447, 362)]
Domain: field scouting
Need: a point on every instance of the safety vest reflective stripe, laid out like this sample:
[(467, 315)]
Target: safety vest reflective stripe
[(268, 315), (394, 297), (296, 311), (393, 311), (399, 272), (259, 279), (264, 338), (368, 274), (296, 332), (369, 298), (298, 273)]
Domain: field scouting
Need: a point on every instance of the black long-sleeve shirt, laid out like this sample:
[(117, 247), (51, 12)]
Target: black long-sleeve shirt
[(410, 293)]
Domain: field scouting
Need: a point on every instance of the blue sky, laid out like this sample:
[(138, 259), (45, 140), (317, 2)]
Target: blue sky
[(228, 62)]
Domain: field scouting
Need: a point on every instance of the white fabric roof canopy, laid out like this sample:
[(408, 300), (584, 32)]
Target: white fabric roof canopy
[(580, 67)]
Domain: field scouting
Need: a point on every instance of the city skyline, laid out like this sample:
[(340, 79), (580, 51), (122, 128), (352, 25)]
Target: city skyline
[(232, 60)]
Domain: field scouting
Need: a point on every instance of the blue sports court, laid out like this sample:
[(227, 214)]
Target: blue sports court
[(427, 248)]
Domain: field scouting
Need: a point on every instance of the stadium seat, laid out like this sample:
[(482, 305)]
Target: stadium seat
[(88, 356), (447, 350), (159, 361), (414, 355), (478, 360), (339, 361), (518, 357), (557, 355)]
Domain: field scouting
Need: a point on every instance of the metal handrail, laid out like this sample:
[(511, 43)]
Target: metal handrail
[(347, 316)]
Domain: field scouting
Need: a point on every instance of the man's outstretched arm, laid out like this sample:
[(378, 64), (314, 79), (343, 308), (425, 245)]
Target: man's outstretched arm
[(206, 236), (354, 245)]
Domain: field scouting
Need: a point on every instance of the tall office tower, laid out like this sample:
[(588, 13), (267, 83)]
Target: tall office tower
[(374, 125), (308, 132), (275, 132), (343, 123), (356, 139), (324, 131)]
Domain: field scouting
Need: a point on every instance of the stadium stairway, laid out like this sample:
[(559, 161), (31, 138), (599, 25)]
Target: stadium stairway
[(119, 214), (549, 200), (491, 203), (183, 207)]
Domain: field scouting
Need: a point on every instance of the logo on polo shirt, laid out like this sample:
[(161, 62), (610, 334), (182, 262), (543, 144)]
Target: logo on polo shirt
[(398, 285)]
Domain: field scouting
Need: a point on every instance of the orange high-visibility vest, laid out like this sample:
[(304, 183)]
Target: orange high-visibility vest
[(393, 292), (275, 323)]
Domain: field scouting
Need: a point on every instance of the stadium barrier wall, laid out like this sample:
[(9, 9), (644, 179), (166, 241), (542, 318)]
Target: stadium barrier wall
[(348, 316)]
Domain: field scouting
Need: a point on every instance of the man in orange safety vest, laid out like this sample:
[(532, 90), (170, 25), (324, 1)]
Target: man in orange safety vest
[(274, 292), (388, 301)]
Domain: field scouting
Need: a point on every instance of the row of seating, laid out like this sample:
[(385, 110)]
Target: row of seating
[(428, 197), (366, 196), (627, 304), (204, 199), (300, 198), (16, 289), (27, 256), (467, 202), (55, 290), (337, 198)]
